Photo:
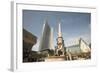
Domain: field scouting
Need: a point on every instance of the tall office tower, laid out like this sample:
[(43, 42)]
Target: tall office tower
[(47, 37), (60, 49), (51, 39)]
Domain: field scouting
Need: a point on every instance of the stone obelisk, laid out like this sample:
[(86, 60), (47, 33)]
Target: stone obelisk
[(60, 42)]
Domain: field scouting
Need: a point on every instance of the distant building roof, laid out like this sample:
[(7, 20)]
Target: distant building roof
[(77, 48), (28, 39), (73, 49)]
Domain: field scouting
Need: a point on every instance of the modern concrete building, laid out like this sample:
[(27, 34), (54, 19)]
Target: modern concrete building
[(46, 41), (29, 40)]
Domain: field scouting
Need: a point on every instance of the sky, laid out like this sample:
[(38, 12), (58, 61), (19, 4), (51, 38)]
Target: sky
[(73, 24)]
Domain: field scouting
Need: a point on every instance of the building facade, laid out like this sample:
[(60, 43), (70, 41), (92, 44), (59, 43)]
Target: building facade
[(29, 40), (46, 41)]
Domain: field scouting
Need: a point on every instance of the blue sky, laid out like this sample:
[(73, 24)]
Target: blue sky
[(74, 25)]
